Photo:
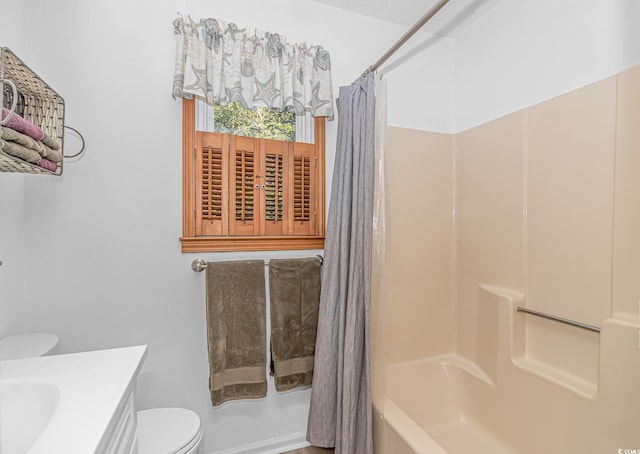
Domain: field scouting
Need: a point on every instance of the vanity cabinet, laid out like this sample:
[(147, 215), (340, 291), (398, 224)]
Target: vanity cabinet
[(120, 438)]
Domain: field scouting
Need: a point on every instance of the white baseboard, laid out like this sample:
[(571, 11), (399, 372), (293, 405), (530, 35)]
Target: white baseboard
[(271, 446)]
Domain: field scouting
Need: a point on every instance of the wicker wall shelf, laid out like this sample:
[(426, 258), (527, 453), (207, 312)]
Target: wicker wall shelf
[(36, 102)]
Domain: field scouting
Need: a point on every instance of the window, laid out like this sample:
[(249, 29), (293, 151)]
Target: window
[(261, 122), (246, 193)]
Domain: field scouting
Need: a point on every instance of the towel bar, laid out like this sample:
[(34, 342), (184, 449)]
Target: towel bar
[(566, 321), (199, 265)]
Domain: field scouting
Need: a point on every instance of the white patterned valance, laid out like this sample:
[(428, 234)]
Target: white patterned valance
[(222, 63)]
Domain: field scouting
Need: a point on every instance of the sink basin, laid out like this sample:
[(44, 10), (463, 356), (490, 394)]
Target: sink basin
[(26, 408), (69, 404)]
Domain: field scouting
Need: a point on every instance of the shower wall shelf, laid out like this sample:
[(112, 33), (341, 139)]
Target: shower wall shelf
[(26, 94)]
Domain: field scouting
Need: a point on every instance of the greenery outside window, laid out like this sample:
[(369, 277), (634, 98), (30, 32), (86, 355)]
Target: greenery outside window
[(261, 122)]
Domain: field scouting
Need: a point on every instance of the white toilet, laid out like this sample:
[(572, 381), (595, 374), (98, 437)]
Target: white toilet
[(169, 431), (27, 345)]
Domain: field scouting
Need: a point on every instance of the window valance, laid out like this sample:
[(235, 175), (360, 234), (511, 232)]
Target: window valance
[(220, 62)]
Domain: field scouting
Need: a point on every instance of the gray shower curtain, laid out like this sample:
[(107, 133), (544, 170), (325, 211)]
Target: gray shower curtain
[(340, 412)]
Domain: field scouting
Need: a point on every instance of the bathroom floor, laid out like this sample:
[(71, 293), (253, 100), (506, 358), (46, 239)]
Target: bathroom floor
[(311, 450)]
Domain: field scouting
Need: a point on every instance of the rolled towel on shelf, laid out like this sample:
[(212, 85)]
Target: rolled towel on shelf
[(53, 155), (236, 330), (51, 143), (18, 151), (11, 135), (294, 289), (46, 164), (17, 123)]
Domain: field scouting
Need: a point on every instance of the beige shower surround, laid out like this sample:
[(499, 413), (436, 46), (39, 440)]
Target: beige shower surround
[(539, 208)]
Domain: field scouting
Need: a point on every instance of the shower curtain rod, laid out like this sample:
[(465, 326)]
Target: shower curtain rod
[(412, 31)]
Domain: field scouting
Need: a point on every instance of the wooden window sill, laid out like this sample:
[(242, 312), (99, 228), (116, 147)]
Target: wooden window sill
[(250, 243)]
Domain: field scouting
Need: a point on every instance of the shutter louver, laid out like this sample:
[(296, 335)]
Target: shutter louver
[(245, 175), (211, 183), (301, 188), (302, 191), (211, 176), (274, 178), (244, 212)]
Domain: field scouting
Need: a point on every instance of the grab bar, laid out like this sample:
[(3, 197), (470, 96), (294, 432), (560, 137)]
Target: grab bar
[(199, 265), (566, 321)]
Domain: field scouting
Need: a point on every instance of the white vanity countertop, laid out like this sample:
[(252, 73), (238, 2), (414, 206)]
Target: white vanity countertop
[(91, 387)]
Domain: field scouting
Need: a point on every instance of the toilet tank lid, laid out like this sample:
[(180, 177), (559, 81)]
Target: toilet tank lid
[(27, 345), (166, 430)]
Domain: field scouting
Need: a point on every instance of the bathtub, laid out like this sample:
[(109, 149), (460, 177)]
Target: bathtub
[(429, 408), (509, 400)]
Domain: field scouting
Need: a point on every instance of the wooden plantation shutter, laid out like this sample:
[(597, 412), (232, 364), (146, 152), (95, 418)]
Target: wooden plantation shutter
[(211, 180), (244, 213), (302, 194), (242, 193), (274, 184)]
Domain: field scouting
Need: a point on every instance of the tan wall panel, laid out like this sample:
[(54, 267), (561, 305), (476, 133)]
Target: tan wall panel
[(420, 182), (571, 143), (489, 222), (570, 180), (626, 253)]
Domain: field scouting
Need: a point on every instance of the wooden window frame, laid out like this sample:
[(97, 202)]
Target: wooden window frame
[(191, 242)]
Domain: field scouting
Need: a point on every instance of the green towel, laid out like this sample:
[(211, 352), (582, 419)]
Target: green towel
[(236, 330), (294, 289)]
